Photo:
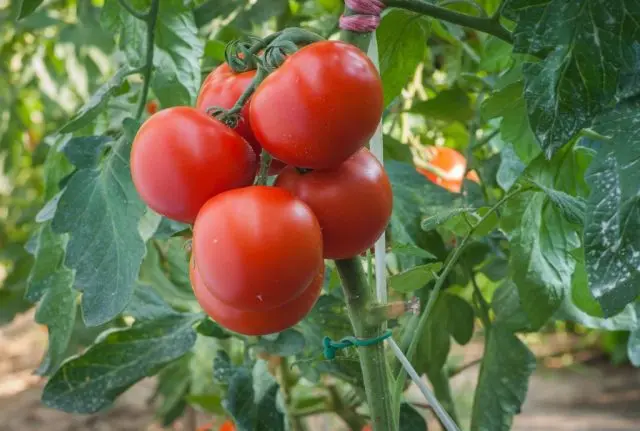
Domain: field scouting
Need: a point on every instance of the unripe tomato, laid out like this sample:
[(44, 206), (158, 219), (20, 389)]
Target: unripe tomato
[(352, 202), (256, 322), (257, 247), (319, 107), (223, 88), (452, 163), (181, 157)]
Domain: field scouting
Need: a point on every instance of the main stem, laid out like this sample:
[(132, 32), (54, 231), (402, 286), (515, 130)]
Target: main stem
[(489, 25), (372, 358), (151, 17)]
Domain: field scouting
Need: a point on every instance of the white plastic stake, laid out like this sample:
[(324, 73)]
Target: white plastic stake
[(381, 278)]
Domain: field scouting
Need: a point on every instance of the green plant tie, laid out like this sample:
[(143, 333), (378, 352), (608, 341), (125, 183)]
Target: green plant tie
[(331, 347)]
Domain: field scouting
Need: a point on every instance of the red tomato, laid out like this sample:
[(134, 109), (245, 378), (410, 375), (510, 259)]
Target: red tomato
[(367, 428), (223, 88), (152, 107), (227, 426), (352, 202), (257, 247), (319, 107), (453, 164), (181, 157), (256, 322)]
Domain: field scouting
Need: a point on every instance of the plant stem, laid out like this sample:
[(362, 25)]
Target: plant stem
[(453, 259), (486, 25), (137, 14), (284, 381), (263, 174), (372, 358), (150, 17), (346, 412)]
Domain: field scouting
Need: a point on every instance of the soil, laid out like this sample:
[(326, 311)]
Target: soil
[(565, 393)]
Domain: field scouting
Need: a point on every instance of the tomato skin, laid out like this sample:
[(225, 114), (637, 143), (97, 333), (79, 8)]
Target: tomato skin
[(256, 322), (152, 107), (257, 247), (181, 157), (227, 426), (223, 88), (319, 107), (451, 162), (353, 202)]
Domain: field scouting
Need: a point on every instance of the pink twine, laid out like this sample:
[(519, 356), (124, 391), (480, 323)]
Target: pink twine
[(366, 18)]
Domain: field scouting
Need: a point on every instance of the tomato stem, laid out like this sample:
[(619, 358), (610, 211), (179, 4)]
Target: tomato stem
[(150, 18), (263, 174), (372, 358), (489, 25)]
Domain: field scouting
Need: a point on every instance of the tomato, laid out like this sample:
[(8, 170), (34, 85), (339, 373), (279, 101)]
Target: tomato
[(319, 107), (453, 164), (352, 202), (367, 428), (257, 247), (152, 107), (181, 157), (227, 426), (256, 322), (223, 88)]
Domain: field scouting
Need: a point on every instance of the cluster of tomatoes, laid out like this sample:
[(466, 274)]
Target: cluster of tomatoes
[(258, 252)]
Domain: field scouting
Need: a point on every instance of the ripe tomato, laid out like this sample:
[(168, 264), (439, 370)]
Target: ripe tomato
[(367, 428), (227, 426), (256, 322), (152, 107), (352, 202), (223, 88), (181, 157), (453, 164), (319, 107), (257, 247)]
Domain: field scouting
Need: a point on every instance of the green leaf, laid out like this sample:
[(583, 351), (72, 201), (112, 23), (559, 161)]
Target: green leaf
[(133, 32), (12, 290), (612, 224), (173, 387), (85, 151), (584, 47), (461, 220), (209, 328), (118, 359), (176, 78), (633, 348), (508, 308), (415, 278), (627, 320), (52, 283), (442, 215), (402, 45), (570, 206), (146, 304), (449, 105), (506, 367), (97, 103), (511, 167), (100, 210), (541, 237), (411, 250), (496, 54), (396, 150), (287, 343), (508, 103), (451, 316), (410, 419), (27, 7), (580, 293), (211, 9)]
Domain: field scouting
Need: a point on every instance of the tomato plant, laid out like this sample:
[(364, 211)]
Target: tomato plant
[(288, 112), (160, 244), (262, 261), (340, 197), (181, 157)]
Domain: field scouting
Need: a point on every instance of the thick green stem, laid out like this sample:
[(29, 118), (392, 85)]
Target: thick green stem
[(487, 25), (150, 17), (372, 358)]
